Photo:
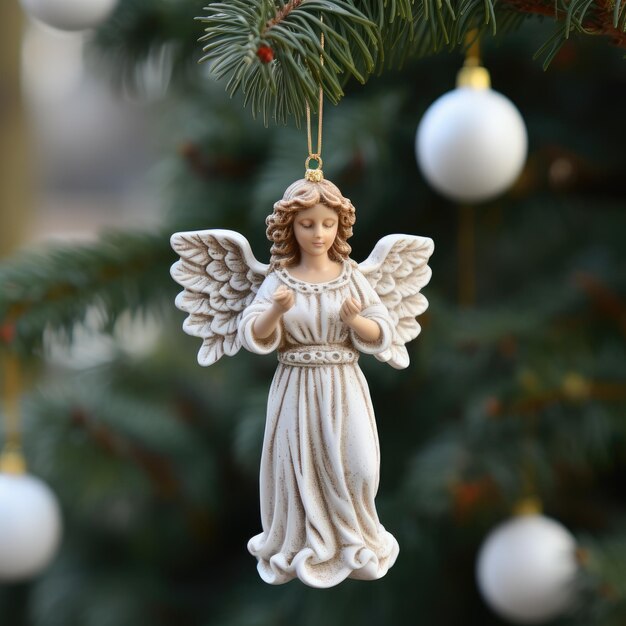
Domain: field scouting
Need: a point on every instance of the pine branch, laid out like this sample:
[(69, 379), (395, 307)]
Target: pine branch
[(60, 288), (237, 32), (588, 17), (275, 59), (603, 580), (270, 51), (143, 37), (157, 467)]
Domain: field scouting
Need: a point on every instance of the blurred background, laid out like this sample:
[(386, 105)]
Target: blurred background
[(114, 138)]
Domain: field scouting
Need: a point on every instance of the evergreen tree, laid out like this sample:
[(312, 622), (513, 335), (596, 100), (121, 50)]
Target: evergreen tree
[(155, 460)]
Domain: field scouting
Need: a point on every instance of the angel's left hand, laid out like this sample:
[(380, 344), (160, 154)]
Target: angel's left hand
[(349, 310)]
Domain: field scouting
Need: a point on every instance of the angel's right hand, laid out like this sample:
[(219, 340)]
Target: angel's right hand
[(283, 299)]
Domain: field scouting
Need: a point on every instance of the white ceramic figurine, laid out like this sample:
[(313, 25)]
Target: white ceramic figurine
[(318, 309)]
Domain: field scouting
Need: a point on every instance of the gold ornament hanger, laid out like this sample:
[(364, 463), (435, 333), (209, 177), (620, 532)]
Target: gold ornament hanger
[(315, 175), (473, 74), (11, 457)]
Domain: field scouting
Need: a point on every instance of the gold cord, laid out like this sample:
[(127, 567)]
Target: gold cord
[(472, 54), (11, 458), (317, 174), (473, 74)]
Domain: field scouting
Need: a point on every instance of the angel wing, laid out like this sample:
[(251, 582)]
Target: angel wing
[(397, 269), (220, 277)]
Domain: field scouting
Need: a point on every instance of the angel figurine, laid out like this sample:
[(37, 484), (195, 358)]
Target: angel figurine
[(319, 310)]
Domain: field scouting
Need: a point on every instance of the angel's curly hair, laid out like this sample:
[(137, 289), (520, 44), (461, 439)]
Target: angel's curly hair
[(299, 196)]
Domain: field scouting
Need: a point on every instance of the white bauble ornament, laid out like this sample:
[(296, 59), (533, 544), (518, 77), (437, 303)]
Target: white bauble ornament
[(70, 14), (526, 569), (30, 526), (471, 144)]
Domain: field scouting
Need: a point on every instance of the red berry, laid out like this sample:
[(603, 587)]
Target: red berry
[(265, 54)]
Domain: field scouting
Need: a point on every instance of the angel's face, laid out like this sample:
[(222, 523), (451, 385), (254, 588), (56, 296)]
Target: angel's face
[(315, 229)]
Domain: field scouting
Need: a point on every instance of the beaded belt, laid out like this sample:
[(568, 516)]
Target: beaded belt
[(332, 354)]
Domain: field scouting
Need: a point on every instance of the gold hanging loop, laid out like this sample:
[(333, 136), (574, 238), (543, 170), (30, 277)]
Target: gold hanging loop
[(315, 175), (315, 157)]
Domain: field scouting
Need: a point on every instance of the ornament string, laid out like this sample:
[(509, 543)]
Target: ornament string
[(472, 55), (11, 459), (473, 74), (316, 174), (529, 502)]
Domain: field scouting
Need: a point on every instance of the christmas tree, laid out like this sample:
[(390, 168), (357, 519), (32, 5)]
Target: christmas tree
[(517, 384)]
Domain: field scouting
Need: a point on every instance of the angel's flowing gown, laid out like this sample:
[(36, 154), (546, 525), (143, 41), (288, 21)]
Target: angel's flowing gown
[(320, 463)]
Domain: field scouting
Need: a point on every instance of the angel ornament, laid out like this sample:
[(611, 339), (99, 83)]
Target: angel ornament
[(319, 310)]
